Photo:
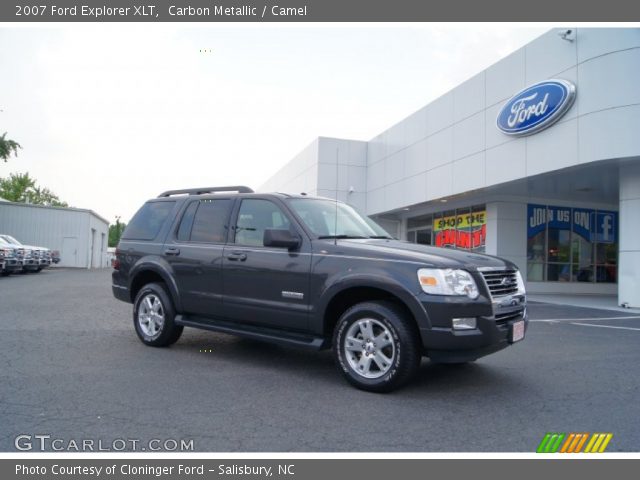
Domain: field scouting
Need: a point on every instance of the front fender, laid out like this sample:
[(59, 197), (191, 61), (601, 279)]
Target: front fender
[(385, 284)]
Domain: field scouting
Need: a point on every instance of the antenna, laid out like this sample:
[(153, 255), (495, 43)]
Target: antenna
[(335, 230)]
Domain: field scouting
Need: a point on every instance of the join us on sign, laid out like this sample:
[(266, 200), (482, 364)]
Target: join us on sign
[(598, 225)]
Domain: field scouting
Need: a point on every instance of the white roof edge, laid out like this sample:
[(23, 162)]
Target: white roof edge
[(73, 209)]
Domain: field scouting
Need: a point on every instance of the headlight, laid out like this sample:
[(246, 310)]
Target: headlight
[(521, 288), (438, 281)]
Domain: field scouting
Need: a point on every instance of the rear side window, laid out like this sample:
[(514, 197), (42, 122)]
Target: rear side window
[(146, 224), (208, 221), (184, 231)]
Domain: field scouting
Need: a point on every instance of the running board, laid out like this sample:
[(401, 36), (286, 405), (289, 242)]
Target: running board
[(271, 335)]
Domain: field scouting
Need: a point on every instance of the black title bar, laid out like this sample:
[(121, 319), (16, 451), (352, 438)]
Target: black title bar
[(318, 11)]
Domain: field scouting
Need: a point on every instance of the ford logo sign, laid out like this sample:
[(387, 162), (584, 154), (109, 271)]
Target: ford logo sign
[(536, 107)]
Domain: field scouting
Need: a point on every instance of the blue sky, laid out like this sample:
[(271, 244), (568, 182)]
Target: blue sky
[(110, 115)]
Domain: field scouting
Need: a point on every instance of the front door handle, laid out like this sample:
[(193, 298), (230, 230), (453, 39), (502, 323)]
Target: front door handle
[(237, 256), (172, 251)]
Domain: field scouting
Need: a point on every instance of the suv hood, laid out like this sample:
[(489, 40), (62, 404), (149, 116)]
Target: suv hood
[(430, 256), (31, 247)]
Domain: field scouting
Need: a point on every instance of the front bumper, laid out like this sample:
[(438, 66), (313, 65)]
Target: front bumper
[(30, 264), (493, 332), (12, 265)]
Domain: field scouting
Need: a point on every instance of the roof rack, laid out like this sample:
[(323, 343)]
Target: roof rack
[(201, 191)]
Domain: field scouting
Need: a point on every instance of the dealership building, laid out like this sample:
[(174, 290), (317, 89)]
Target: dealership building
[(536, 160)]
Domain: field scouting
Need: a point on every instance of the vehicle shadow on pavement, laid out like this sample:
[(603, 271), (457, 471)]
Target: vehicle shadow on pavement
[(311, 366)]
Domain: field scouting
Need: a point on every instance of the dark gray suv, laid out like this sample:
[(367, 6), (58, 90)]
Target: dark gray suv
[(314, 273)]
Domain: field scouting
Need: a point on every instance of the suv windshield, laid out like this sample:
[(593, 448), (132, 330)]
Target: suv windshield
[(320, 216)]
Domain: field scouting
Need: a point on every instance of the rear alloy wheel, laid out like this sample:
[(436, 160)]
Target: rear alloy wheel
[(153, 317), (376, 346)]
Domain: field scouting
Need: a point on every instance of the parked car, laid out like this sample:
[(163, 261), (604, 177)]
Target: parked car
[(35, 258), (13, 257), (314, 273)]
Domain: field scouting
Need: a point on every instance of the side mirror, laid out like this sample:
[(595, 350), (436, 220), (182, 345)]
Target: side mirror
[(275, 237)]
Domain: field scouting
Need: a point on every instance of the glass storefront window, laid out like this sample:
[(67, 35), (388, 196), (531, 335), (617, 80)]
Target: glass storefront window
[(558, 272), (464, 228), (559, 242), (423, 237), (571, 244), (479, 227)]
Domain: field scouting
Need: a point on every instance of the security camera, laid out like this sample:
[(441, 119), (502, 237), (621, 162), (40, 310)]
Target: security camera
[(569, 35)]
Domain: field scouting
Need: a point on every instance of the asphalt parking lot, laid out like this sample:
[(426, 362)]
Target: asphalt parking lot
[(73, 368)]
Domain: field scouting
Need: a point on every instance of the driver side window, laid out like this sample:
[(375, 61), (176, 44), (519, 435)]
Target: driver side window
[(254, 217)]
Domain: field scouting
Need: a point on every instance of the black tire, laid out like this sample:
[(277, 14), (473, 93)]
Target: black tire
[(168, 333), (6, 274), (389, 322)]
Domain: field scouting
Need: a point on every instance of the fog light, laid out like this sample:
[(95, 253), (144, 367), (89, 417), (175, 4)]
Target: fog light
[(464, 323)]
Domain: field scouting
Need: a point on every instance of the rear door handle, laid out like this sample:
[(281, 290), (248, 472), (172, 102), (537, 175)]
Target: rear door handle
[(237, 256), (172, 251)]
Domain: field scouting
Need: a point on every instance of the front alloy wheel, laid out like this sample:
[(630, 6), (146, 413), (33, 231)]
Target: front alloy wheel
[(377, 346), (369, 348)]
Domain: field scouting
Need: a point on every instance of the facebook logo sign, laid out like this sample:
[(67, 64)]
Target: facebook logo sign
[(606, 227)]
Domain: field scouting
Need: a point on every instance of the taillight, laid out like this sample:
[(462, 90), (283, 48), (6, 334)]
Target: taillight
[(115, 263)]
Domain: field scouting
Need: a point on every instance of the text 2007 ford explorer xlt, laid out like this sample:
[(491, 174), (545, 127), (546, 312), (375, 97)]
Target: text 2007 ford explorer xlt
[(312, 272)]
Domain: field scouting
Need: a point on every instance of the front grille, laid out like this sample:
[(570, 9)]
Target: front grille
[(501, 282), (504, 318)]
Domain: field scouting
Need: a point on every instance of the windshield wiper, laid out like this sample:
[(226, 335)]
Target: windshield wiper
[(381, 237), (340, 237)]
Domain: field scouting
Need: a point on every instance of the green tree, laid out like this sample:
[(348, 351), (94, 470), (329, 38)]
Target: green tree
[(8, 147), (22, 188), (115, 232)]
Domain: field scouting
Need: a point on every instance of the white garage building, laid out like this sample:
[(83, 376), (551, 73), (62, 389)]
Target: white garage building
[(79, 235), (536, 159)]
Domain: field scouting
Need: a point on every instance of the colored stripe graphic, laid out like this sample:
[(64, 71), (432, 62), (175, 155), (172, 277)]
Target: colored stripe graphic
[(568, 447), (591, 443), (550, 443), (598, 443), (577, 441), (543, 443), (554, 442), (581, 443)]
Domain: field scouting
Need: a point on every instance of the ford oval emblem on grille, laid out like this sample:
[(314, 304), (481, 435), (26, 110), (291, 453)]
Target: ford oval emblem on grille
[(536, 107), (506, 281)]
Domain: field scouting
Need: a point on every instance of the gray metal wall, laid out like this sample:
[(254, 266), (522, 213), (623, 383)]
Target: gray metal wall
[(67, 230)]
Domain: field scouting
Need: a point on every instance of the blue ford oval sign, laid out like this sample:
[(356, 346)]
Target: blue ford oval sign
[(536, 107)]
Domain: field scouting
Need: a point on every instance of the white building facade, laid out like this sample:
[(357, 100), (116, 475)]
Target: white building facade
[(79, 235), (560, 198)]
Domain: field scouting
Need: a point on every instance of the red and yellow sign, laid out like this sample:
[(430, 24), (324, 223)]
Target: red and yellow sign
[(467, 230)]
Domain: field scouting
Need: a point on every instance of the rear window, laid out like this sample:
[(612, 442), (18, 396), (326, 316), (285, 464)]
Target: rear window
[(146, 224)]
